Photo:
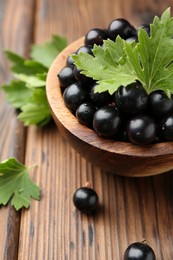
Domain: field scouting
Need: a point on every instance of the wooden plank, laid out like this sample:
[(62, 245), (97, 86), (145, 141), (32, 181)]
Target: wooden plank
[(130, 209), (15, 34)]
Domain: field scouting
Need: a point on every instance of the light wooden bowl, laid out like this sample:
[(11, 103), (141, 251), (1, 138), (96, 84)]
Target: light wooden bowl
[(117, 157)]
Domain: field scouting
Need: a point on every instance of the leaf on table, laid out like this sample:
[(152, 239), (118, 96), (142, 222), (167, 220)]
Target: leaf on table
[(31, 81), (45, 54), (42, 76), (24, 66), (36, 110), (16, 184), (17, 94), (31, 74)]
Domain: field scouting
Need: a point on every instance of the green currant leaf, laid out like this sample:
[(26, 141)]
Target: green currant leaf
[(121, 63), (36, 111), (16, 184), (109, 70), (45, 54), (17, 94), (24, 66)]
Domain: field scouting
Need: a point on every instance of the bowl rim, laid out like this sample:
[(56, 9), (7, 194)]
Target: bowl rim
[(61, 113)]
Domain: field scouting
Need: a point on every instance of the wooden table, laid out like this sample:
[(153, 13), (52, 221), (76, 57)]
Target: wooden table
[(131, 209)]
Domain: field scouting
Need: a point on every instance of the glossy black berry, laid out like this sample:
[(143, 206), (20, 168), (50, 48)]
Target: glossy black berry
[(131, 100), (107, 122), (85, 114), (85, 199), (70, 61), (159, 104), (139, 251), (122, 28), (95, 36), (166, 128), (145, 27), (141, 130), (81, 78), (85, 49), (75, 95), (66, 76), (100, 99)]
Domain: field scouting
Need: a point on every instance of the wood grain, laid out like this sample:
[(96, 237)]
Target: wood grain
[(130, 209), (15, 34)]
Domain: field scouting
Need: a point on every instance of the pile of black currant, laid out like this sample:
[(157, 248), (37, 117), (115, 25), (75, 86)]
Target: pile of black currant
[(129, 114)]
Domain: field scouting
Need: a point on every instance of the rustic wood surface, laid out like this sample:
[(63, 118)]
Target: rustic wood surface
[(131, 209)]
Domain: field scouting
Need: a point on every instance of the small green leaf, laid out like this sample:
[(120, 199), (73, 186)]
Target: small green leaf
[(28, 92), (24, 66), (109, 70), (17, 94), (45, 54), (36, 111), (14, 57), (31, 81), (16, 184)]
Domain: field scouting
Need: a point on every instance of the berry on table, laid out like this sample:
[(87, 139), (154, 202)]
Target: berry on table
[(139, 251), (86, 199)]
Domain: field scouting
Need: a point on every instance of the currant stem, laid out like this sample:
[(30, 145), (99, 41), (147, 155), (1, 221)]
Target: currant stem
[(33, 166), (88, 185)]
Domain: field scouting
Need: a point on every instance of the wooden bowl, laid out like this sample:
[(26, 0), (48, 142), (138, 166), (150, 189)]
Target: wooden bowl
[(113, 156)]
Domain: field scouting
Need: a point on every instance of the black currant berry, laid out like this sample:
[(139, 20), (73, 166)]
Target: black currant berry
[(131, 100), (85, 114), (122, 28), (139, 251), (85, 49), (146, 27), (141, 130), (70, 61), (166, 128), (75, 95), (66, 76), (107, 122), (85, 199), (81, 78), (95, 36), (159, 104), (100, 99)]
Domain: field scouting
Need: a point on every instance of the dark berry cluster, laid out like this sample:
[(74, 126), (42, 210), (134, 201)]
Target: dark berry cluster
[(129, 114)]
